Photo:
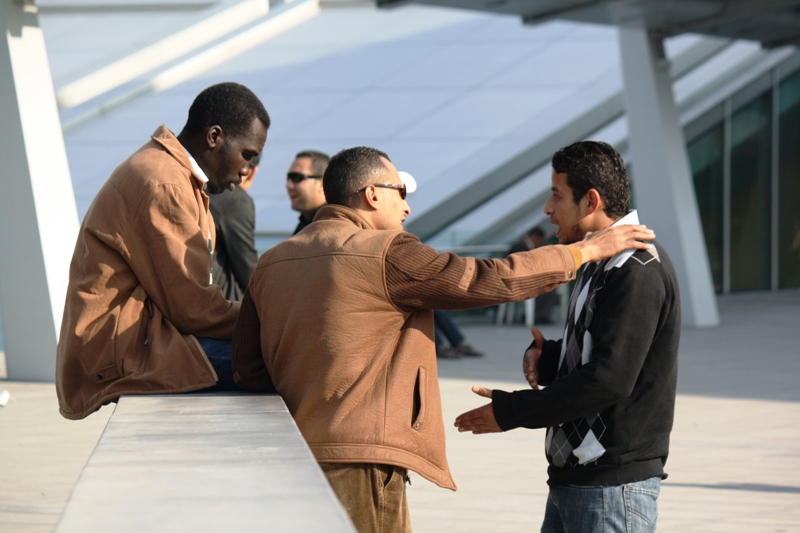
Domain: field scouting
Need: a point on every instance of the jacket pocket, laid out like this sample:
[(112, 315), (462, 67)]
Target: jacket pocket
[(106, 374), (420, 397), (130, 342)]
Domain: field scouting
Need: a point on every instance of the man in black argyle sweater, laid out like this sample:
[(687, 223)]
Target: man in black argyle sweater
[(610, 382)]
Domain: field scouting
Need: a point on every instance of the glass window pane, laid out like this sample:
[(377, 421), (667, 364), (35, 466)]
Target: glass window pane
[(789, 184), (706, 159), (750, 196)]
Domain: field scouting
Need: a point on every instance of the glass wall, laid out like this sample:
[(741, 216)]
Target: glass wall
[(750, 186), (706, 157), (789, 183), (745, 161)]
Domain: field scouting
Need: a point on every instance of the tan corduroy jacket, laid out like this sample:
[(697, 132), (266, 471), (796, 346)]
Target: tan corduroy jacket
[(357, 373), (139, 288)]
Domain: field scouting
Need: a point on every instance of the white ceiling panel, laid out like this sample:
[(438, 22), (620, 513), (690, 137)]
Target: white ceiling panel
[(450, 95)]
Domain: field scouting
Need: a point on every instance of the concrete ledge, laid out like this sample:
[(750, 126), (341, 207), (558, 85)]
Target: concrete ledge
[(202, 462)]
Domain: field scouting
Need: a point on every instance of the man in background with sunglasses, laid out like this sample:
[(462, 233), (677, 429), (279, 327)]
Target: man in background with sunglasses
[(304, 185), (338, 319)]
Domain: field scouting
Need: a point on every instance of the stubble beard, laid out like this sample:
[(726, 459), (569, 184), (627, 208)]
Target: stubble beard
[(571, 237)]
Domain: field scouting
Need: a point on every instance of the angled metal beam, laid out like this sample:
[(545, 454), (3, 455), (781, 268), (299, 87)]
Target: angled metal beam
[(128, 7), (159, 54), (764, 20), (730, 10), (493, 232), (565, 11), (279, 21), (392, 3), (440, 216)]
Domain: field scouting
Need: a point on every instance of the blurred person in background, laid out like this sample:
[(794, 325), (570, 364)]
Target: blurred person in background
[(235, 254), (304, 185), (545, 303)]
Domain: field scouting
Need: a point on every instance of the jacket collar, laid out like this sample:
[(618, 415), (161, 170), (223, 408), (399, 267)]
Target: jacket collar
[(308, 219), (173, 146), (340, 212)]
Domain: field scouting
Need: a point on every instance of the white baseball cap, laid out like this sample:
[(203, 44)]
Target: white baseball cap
[(408, 180)]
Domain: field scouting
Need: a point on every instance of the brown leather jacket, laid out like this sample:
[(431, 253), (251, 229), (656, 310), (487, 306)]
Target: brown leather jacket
[(357, 372), (139, 288)]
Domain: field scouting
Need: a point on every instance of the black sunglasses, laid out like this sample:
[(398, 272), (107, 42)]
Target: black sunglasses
[(396, 186), (297, 177)]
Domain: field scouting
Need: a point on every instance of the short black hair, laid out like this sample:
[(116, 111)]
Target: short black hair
[(231, 106), (350, 170), (596, 165), (536, 230), (319, 160)]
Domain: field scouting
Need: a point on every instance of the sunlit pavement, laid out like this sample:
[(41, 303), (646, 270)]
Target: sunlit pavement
[(733, 466), (735, 448)]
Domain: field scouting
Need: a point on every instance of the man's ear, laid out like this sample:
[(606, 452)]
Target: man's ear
[(371, 196), (593, 201), (214, 137)]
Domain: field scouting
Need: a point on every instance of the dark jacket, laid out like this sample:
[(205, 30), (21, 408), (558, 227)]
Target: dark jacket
[(235, 256), (626, 389), (304, 221)]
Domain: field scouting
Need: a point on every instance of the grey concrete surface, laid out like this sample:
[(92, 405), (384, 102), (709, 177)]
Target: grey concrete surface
[(41, 456), (735, 447), (202, 462), (733, 466)]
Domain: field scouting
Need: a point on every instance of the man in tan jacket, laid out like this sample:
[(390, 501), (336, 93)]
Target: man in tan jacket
[(338, 319), (141, 315)]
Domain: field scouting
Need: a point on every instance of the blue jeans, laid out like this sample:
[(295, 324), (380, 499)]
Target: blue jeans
[(630, 508), (219, 354), (444, 326)]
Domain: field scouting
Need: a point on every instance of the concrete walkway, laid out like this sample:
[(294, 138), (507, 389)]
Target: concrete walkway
[(735, 450), (733, 466)]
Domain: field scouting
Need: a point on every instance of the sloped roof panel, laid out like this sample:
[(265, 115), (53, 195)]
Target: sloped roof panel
[(450, 95)]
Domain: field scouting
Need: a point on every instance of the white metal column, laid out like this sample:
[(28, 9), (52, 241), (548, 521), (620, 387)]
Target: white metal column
[(663, 185), (38, 217)]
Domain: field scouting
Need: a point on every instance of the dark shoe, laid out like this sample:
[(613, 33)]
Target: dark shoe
[(467, 349), (447, 352)]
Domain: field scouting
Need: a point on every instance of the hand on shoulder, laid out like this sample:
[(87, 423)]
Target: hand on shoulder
[(602, 244)]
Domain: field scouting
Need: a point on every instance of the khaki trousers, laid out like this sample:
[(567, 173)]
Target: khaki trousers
[(373, 495)]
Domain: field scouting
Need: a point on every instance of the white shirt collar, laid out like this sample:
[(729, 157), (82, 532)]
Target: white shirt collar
[(618, 260), (197, 170), (631, 218)]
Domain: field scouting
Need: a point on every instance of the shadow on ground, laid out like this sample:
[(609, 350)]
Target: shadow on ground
[(753, 354)]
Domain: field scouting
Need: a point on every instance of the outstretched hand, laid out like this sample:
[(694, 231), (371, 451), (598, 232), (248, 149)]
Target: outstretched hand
[(603, 244), (480, 420), (530, 361)]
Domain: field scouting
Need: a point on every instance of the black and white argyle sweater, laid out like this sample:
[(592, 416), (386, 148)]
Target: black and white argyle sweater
[(610, 394)]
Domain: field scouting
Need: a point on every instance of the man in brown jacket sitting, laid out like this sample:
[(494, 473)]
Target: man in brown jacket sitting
[(141, 315), (339, 318)]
